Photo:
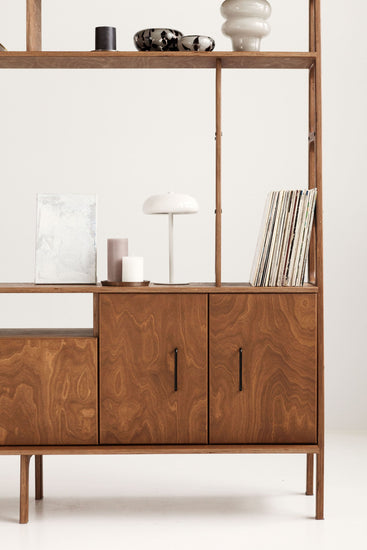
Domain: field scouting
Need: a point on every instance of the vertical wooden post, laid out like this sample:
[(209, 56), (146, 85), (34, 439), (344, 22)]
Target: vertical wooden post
[(312, 115), (96, 302), (24, 488), (316, 247), (320, 485), (319, 274), (95, 315), (39, 476), (218, 187), (309, 480), (34, 25), (312, 181), (312, 27)]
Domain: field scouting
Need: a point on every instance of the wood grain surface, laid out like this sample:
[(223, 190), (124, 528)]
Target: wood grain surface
[(48, 391), (157, 449), (312, 176), (34, 25), (46, 333), (24, 488), (95, 315), (278, 337), (319, 272), (138, 336), (218, 174), (309, 474), (154, 60), (38, 477), (192, 288)]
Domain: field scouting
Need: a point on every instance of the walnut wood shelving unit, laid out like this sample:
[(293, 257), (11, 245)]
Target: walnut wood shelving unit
[(278, 331)]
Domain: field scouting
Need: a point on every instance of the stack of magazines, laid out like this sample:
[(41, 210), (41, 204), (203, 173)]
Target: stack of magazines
[(284, 240)]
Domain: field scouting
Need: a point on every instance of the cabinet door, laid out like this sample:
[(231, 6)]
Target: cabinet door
[(139, 334), (48, 391), (277, 335)]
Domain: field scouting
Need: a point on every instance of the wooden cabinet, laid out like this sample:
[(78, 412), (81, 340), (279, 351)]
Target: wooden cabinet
[(153, 369), (264, 342), (156, 385), (48, 391), (154, 372), (276, 336), (186, 370)]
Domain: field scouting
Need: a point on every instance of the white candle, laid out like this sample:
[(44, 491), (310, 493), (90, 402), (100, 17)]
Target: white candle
[(132, 269)]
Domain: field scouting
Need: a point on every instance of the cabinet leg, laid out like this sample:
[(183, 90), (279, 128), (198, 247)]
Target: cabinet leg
[(320, 485), (309, 481), (24, 488), (39, 476)]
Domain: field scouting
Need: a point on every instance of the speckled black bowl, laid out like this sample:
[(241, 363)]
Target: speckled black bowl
[(196, 43), (157, 40)]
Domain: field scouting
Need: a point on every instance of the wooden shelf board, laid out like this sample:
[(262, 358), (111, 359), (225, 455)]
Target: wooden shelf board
[(203, 288), (46, 333), (156, 60), (158, 449)]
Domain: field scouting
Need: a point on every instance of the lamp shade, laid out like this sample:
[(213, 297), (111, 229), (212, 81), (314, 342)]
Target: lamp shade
[(170, 203)]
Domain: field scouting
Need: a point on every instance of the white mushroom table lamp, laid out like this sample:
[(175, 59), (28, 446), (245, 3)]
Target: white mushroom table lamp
[(171, 204)]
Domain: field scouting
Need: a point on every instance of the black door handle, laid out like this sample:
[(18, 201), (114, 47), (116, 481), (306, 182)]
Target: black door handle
[(240, 369), (176, 369)]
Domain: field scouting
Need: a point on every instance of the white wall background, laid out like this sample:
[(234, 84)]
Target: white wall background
[(128, 134)]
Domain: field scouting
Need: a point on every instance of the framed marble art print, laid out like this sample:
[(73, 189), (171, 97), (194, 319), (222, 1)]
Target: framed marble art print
[(66, 239)]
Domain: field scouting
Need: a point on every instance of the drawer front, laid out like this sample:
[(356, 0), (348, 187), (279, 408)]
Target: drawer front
[(139, 369), (278, 366), (48, 391)]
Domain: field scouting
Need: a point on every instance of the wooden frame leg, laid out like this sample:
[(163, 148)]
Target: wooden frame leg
[(320, 485), (24, 488), (39, 476), (309, 479)]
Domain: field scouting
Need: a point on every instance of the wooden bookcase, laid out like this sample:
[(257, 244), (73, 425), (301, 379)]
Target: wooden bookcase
[(227, 368)]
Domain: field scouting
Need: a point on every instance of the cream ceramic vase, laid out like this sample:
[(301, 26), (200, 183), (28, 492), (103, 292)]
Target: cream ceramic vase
[(246, 23)]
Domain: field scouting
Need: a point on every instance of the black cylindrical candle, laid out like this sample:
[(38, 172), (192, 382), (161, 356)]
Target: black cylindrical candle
[(105, 38)]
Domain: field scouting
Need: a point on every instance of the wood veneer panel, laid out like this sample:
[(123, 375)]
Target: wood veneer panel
[(46, 333), (278, 338), (34, 25), (155, 60), (38, 477), (193, 288), (312, 179), (309, 474), (218, 174), (160, 449), (48, 391), (138, 336), (312, 28), (24, 488), (95, 315), (319, 274)]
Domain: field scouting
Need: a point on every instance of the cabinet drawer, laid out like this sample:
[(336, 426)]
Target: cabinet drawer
[(48, 391), (149, 393), (267, 342)]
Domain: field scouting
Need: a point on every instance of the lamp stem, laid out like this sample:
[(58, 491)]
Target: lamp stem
[(170, 232)]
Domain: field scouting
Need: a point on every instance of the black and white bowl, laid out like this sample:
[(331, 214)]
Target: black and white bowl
[(157, 40), (196, 43)]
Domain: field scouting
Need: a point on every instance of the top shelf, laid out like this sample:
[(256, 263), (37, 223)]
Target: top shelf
[(156, 60)]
